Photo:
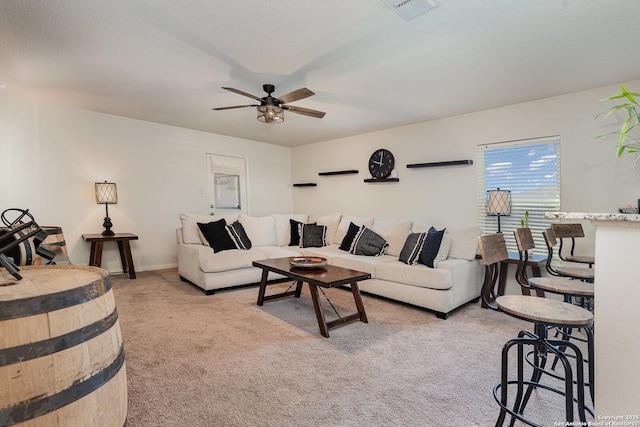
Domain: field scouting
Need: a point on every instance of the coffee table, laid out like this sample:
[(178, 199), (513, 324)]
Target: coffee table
[(328, 276)]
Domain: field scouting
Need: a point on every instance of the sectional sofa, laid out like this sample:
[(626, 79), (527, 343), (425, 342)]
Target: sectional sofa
[(455, 279)]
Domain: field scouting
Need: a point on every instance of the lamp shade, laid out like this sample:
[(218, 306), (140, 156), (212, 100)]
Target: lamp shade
[(499, 202), (106, 192), (270, 114)]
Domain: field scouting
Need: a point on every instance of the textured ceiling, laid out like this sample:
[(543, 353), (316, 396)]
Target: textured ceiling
[(165, 60)]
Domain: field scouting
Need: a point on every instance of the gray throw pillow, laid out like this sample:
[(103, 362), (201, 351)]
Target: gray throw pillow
[(312, 235), (367, 242), (412, 247)]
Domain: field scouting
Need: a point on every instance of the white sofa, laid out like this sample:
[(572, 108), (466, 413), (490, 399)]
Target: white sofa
[(453, 282)]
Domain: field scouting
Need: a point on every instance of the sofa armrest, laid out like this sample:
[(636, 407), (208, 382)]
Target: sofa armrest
[(179, 239)]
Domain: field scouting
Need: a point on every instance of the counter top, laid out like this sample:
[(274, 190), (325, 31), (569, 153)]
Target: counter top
[(594, 216)]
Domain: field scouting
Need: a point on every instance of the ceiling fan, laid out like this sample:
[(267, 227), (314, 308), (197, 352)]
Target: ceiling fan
[(271, 109)]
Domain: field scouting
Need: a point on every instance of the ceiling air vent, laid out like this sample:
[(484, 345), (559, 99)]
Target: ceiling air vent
[(410, 9)]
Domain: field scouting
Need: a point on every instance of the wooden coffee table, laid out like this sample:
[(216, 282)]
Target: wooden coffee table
[(327, 277)]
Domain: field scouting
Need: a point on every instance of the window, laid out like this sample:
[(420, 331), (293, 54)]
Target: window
[(530, 169), (227, 184)]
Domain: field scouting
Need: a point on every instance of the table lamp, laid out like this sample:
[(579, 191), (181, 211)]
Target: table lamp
[(106, 193), (499, 204)]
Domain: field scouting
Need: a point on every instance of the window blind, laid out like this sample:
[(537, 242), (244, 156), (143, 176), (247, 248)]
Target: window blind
[(530, 169)]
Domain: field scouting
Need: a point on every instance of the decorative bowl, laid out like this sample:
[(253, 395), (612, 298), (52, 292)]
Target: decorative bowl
[(307, 261)]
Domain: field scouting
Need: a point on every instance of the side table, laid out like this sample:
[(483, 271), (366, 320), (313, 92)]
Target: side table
[(535, 262), (123, 239)]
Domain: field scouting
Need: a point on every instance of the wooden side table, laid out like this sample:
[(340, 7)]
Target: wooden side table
[(123, 239), (535, 262)]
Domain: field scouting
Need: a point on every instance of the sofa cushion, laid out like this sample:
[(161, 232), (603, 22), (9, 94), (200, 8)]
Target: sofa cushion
[(312, 235), (435, 249), (361, 263), (331, 220), (190, 231), (239, 236), (215, 232), (283, 227), (279, 251), (464, 242), (412, 248), (368, 243), (420, 227), (345, 245), (260, 229), (345, 223), (414, 275), (394, 231), (233, 259)]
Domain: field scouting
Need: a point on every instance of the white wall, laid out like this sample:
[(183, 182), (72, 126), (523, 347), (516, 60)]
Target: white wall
[(50, 156), (593, 179)]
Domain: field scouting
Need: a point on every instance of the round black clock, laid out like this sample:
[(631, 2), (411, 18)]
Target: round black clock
[(381, 163)]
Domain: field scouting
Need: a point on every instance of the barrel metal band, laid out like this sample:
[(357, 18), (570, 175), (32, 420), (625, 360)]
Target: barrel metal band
[(28, 410), (22, 353), (50, 302)]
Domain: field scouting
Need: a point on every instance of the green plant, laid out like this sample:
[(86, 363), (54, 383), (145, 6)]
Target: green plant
[(524, 221), (628, 135)]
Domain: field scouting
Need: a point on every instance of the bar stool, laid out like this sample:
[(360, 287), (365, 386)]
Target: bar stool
[(571, 231), (543, 313), (580, 273), (569, 289)]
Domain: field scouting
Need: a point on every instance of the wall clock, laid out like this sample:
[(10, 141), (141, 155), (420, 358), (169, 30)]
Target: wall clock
[(381, 163)]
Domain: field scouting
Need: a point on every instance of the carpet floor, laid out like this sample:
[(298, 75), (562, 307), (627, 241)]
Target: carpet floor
[(221, 360)]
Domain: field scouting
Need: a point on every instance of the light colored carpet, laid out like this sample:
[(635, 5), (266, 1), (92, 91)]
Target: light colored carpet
[(196, 360)]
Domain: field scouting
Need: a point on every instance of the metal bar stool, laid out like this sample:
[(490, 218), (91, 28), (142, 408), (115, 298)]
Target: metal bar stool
[(580, 273), (569, 289), (571, 231), (543, 313)]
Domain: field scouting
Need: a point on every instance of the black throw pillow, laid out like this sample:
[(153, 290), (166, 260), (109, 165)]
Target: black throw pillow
[(348, 238), (295, 234), (368, 243), (239, 236), (412, 248), (312, 235), (431, 246), (217, 235)]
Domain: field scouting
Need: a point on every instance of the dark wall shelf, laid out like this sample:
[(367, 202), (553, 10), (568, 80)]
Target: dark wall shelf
[(305, 184), (382, 180), (347, 172), (436, 164)]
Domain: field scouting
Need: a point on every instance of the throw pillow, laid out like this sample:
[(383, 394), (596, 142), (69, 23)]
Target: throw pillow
[(348, 238), (239, 236), (431, 247), (412, 248), (367, 242), (217, 236), (312, 235), (295, 232)]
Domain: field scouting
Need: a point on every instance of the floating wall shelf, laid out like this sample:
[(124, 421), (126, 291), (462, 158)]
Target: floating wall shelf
[(305, 184), (436, 164), (347, 172), (382, 180)]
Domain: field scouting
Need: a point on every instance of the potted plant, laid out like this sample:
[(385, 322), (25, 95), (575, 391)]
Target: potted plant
[(628, 135)]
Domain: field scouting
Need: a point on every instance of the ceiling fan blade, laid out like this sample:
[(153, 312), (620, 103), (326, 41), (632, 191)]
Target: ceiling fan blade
[(306, 111), (239, 92), (235, 106), (296, 95)]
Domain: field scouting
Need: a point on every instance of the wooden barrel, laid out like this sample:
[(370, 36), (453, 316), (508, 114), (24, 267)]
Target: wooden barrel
[(25, 252), (55, 243), (61, 353), (22, 254)]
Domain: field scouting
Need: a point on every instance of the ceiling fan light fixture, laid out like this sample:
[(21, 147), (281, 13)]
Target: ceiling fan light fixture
[(411, 9), (270, 114)]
